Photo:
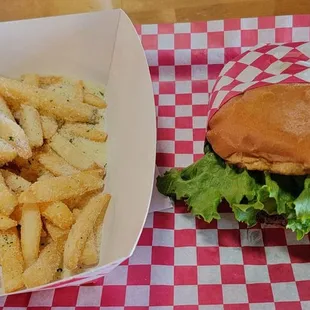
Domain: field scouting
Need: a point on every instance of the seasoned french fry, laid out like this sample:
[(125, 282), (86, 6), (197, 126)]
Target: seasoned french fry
[(94, 100), (87, 131), (31, 226), (14, 135), (8, 201), (47, 102), (17, 214), (7, 153), (58, 214), (90, 255), (82, 228), (55, 232), (46, 81), (44, 270), (16, 183), (30, 79), (30, 121), (6, 222), (98, 227), (56, 164), (63, 187), (93, 150), (5, 109), (49, 126), (45, 176), (11, 260), (80, 201), (73, 155)]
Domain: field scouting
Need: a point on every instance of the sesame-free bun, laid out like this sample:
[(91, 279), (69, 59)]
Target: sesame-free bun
[(266, 128)]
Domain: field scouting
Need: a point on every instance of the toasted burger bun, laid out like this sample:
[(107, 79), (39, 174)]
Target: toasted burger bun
[(266, 128)]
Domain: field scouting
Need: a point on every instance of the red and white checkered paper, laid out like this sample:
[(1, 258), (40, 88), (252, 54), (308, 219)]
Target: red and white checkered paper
[(267, 64), (182, 262)]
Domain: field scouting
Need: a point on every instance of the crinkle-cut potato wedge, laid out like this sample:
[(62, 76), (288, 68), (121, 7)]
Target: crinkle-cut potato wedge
[(30, 233), (11, 260), (63, 187), (14, 135), (16, 183), (49, 126), (6, 223), (70, 153), (7, 152), (82, 228), (30, 79), (55, 232), (88, 131), (47, 102), (58, 214), (44, 270), (8, 201), (30, 121), (94, 100), (5, 109), (56, 164)]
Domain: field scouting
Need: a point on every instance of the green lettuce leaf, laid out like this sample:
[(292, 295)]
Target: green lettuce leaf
[(207, 182)]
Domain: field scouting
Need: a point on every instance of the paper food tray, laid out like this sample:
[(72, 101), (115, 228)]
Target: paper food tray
[(104, 48)]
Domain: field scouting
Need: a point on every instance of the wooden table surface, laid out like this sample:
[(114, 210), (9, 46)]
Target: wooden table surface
[(155, 11)]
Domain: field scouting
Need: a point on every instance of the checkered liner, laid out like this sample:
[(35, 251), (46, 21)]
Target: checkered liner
[(183, 263), (264, 65)]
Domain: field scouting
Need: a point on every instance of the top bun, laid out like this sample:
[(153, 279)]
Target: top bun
[(266, 128)]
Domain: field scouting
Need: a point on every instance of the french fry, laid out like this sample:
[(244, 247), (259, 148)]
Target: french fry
[(90, 255), (55, 232), (6, 223), (44, 270), (98, 227), (31, 226), (5, 109), (82, 228), (94, 100), (72, 154), (45, 176), (8, 201), (17, 213), (79, 91), (11, 260), (95, 151), (58, 214), (16, 183), (30, 79), (63, 187), (49, 126), (87, 131), (56, 164), (30, 121), (80, 201), (46, 81), (7, 153), (46, 102), (14, 135)]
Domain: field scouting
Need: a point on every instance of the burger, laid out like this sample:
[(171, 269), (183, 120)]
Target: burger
[(256, 158)]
